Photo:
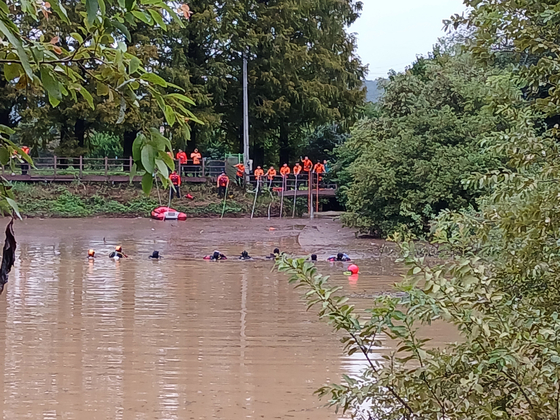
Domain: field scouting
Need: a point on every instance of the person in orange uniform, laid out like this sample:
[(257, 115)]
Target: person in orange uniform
[(297, 171), (307, 166), (223, 182), (196, 156), (319, 169), (259, 173), (25, 165), (240, 173), (175, 179), (182, 158), (284, 171), (270, 174)]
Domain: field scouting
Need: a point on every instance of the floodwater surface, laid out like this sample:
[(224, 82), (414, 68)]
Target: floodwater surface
[(178, 338)]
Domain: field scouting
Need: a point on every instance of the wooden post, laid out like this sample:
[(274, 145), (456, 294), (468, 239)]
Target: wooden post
[(317, 203), (130, 163), (203, 169), (81, 165), (106, 165), (55, 165), (309, 188)]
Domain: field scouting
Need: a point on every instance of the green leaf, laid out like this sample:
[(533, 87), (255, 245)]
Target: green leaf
[(122, 28), (154, 78), (147, 183), (148, 155), (6, 130), (77, 37), (130, 4), (60, 11), (16, 42), (137, 147), (169, 115), (181, 98), (92, 7), (143, 17), (168, 161), (158, 19), (102, 89), (14, 206), (135, 65), (87, 96), (160, 140), (51, 85), (162, 167), (12, 71), (4, 155)]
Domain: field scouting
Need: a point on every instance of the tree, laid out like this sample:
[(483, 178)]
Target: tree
[(404, 166), (94, 56)]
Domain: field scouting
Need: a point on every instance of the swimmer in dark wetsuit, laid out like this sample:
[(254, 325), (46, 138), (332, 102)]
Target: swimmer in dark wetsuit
[(313, 257), (275, 254), (155, 255), (216, 256), (339, 257), (245, 256), (117, 254)]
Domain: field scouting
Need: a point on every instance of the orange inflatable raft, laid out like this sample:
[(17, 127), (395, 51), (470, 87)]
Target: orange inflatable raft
[(166, 213)]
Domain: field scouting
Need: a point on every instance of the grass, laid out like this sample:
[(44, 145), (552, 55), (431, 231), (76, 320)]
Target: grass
[(100, 199)]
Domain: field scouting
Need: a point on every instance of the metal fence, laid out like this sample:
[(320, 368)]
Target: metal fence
[(82, 166)]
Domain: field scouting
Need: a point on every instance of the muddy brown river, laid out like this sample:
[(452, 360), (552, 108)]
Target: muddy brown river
[(178, 338)]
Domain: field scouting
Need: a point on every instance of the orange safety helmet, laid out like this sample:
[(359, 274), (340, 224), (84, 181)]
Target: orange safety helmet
[(118, 248), (91, 253)]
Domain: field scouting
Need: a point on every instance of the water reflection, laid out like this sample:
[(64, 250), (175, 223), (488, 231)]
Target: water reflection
[(178, 338)]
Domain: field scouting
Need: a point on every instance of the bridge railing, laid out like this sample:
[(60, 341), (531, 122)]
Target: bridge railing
[(80, 166)]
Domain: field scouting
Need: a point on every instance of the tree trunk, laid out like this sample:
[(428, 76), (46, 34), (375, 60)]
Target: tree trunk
[(80, 132), (258, 153), (284, 145), (128, 139)]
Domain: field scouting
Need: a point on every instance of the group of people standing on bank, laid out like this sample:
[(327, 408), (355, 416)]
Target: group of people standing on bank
[(303, 170)]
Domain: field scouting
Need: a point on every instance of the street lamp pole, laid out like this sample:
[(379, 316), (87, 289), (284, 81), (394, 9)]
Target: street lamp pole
[(246, 160)]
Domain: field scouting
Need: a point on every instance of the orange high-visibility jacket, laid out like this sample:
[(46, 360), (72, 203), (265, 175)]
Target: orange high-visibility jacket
[(297, 169), (319, 168), (182, 158), (25, 149), (307, 165), (285, 170), (240, 169), (271, 173), (258, 173), (196, 158), (175, 179)]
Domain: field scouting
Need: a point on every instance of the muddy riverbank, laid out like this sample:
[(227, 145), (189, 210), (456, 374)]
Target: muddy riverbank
[(86, 200)]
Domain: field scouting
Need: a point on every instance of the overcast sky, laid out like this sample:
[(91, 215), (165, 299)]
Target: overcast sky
[(392, 32)]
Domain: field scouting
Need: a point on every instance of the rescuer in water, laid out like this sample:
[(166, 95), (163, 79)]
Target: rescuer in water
[(245, 256), (216, 256), (91, 254), (118, 253), (339, 257)]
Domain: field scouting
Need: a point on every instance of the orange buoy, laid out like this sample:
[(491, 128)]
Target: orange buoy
[(353, 268)]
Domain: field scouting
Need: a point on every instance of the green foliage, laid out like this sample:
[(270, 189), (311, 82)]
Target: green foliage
[(505, 365), (53, 53), (404, 165), (104, 144)]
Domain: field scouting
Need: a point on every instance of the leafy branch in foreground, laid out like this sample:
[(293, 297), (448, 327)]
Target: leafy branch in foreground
[(506, 363), (57, 49)]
